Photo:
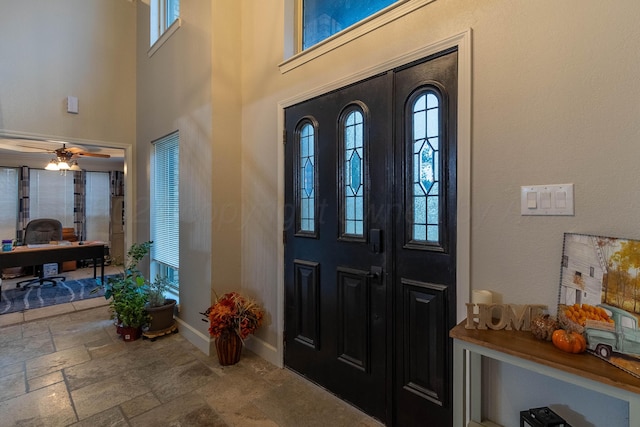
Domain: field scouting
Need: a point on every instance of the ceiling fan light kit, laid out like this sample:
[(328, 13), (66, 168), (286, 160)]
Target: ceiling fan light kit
[(63, 161)]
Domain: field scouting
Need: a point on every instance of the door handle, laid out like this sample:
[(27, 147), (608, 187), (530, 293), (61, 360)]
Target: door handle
[(375, 272)]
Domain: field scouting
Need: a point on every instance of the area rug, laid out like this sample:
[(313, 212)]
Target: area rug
[(18, 299)]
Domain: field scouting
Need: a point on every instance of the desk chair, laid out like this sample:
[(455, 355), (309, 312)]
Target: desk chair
[(39, 231)]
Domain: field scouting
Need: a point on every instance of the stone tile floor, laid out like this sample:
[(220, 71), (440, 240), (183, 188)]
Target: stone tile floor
[(72, 369)]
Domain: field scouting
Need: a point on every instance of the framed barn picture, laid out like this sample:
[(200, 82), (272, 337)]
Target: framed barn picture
[(600, 296)]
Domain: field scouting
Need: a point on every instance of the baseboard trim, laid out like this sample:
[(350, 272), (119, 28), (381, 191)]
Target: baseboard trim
[(485, 423), (264, 350), (203, 342)]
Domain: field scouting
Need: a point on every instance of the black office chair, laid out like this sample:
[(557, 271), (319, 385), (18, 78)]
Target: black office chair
[(41, 231)]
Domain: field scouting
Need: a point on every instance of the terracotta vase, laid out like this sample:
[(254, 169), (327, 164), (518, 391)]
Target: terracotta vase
[(229, 348)]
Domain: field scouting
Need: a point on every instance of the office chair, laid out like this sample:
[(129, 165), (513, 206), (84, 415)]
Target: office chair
[(39, 231)]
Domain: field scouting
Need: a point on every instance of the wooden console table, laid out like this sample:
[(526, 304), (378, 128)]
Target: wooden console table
[(22, 256), (522, 349)]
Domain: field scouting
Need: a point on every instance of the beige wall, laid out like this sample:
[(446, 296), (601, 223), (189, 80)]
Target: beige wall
[(555, 99), (191, 84), (51, 50)]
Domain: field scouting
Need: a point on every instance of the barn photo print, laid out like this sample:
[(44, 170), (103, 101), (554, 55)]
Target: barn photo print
[(600, 296)]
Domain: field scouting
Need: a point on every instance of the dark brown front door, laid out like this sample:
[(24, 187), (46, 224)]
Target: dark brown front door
[(370, 241)]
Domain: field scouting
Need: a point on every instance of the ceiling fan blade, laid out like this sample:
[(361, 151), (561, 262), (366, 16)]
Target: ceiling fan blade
[(26, 146), (85, 154)]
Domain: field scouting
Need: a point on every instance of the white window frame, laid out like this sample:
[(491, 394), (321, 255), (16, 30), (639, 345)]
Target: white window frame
[(165, 251), (293, 31), (159, 31)]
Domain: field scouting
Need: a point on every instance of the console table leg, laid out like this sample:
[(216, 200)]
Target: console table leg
[(459, 395)]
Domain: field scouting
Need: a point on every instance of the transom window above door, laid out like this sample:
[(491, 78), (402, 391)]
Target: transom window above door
[(316, 27), (322, 18)]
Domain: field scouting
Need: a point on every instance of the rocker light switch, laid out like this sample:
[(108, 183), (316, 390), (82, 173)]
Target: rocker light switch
[(553, 199)]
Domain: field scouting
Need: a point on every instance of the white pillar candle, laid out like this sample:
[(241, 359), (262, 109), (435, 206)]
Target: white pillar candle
[(482, 296)]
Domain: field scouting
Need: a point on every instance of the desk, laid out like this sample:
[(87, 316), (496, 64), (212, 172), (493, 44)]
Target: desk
[(22, 256), (522, 349)]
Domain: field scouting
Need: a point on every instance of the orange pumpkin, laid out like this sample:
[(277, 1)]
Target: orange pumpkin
[(571, 342)]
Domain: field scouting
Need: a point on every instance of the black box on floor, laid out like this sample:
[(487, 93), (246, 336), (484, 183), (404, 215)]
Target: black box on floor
[(541, 417)]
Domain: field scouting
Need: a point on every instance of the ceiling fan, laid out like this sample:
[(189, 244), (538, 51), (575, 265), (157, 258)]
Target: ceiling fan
[(67, 154), (65, 158), (31, 145)]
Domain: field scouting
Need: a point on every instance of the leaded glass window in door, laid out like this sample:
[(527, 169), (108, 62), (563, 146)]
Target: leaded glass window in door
[(425, 142), (306, 179), (353, 163)]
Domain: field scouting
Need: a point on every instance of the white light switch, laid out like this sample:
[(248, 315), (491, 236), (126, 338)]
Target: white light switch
[(561, 199), (72, 104), (553, 199)]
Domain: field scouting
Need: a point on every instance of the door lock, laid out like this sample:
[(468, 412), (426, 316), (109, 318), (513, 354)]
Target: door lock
[(375, 240)]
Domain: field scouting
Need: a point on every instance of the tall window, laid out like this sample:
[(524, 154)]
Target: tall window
[(426, 168), (353, 174), (321, 18), (9, 202), (51, 196), (163, 13), (165, 208), (97, 201), (306, 179)]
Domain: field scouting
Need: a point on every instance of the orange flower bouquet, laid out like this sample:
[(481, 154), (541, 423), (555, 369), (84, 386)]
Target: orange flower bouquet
[(232, 311)]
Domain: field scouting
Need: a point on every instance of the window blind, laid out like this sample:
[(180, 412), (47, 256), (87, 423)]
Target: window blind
[(165, 214), (98, 200), (9, 202), (51, 196)]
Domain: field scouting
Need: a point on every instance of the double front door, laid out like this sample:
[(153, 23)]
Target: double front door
[(370, 232)]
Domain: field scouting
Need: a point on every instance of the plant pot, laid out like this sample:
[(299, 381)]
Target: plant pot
[(229, 348), (161, 317), (130, 333)]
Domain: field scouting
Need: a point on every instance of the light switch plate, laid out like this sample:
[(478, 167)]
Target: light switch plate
[(72, 104), (552, 199)]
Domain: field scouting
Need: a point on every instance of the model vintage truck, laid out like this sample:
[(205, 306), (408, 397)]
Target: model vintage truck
[(621, 336)]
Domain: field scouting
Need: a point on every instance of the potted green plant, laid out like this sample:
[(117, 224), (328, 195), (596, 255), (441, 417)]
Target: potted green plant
[(127, 294), (159, 308)]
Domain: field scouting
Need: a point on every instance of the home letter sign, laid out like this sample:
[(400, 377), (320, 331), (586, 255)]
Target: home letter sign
[(502, 316)]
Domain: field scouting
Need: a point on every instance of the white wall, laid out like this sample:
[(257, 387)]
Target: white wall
[(555, 100)]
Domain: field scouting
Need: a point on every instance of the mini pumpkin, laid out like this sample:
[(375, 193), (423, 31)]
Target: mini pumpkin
[(543, 326), (571, 342)]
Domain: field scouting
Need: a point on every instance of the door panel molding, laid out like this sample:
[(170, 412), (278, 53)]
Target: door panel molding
[(354, 331), (425, 303), (307, 289)]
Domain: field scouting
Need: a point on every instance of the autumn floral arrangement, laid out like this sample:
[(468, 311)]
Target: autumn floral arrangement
[(233, 311)]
